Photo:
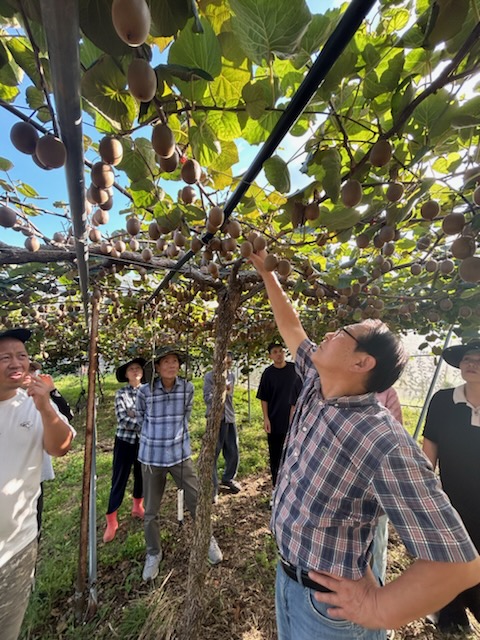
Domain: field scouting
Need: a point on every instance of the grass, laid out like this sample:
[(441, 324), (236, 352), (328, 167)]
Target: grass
[(124, 603)]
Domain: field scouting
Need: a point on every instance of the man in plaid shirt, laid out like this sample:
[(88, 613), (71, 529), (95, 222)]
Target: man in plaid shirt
[(163, 410), (346, 462)]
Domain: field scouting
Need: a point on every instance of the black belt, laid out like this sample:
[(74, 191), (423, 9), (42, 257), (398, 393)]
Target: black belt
[(302, 577)]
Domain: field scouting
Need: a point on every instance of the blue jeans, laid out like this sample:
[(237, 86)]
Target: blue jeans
[(301, 617)]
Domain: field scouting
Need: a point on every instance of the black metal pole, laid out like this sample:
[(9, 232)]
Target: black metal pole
[(61, 22), (336, 43)]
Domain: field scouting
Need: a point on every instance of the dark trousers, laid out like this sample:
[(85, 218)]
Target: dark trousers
[(454, 614), (125, 455), (227, 443), (40, 512), (275, 449)]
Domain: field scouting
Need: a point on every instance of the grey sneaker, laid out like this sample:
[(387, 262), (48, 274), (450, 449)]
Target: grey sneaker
[(150, 570), (215, 556)]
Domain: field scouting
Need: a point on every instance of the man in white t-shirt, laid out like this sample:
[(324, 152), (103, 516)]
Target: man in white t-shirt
[(29, 425)]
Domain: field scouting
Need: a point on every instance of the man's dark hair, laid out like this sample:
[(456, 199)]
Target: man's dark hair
[(274, 344), (388, 351)]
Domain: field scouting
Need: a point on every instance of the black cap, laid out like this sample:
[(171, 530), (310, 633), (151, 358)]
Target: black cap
[(18, 334), (454, 355), (122, 370)]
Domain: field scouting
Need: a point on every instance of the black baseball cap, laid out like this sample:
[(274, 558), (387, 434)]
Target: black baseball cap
[(18, 334)]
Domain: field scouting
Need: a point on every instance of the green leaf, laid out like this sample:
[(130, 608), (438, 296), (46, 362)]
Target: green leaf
[(200, 51), (263, 33), (255, 100), (331, 162), (5, 165), (225, 124), (104, 86), (276, 171), (35, 97), (170, 16), (26, 190), (143, 193), (339, 218), (371, 56), (227, 86), (138, 160), (187, 74), (205, 144), (256, 131), (22, 53), (10, 73)]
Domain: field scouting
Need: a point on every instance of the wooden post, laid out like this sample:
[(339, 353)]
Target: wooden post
[(81, 586)]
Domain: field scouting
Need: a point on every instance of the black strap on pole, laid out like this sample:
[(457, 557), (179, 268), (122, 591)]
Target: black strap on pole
[(336, 43)]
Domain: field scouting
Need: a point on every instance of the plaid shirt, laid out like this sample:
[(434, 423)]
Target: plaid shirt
[(164, 415), (346, 462), (128, 428)]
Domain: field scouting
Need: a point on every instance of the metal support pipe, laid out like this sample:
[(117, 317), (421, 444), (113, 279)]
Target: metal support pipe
[(336, 43), (431, 388), (61, 21)]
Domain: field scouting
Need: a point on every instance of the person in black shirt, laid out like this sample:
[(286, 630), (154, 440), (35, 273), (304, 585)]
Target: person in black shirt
[(452, 438), (278, 392)]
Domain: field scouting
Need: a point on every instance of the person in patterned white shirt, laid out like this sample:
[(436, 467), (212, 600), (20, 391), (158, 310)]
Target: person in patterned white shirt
[(347, 461), (125, 448)]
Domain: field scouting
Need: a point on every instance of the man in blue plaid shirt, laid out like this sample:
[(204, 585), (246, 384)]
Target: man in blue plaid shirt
[(163, 409), (345, 463)]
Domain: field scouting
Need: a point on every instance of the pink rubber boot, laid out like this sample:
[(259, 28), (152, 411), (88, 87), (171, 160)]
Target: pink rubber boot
[(112, 526), (137, 510)]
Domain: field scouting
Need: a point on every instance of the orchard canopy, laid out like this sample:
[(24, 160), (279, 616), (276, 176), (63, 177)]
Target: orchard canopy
[(375, 213)]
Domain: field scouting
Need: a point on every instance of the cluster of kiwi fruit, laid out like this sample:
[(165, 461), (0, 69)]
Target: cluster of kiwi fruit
[(100, 191), (47, 151), (8, 219)]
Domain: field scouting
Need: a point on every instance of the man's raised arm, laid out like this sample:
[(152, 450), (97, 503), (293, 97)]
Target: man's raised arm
[(288, 322)]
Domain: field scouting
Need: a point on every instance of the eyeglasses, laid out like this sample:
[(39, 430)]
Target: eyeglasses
[(349, 334)]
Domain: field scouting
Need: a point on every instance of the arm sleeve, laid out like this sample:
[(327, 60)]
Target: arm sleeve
[(123, 419), (434, 418), (262, 393), (61, 403), (140, 406)]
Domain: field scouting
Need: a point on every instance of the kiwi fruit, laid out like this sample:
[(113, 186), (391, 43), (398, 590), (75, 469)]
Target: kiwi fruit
[(416, 269), (463, 247), (134, 244), (110, 150), (447, 266), (120, 246), (284, 268), (386, 234), (51, 151), (32, 243), (271, 262), (191, 171), (394, 191), (380, 153), (213, 269), (102, 175), (96, 195), (453, 223), (430, 210), (476, 196), (298, 214), (179, 238), (445, 304), (8, 217), (216, 217), (58, 237), (142, 80), (431, 266), (169, 164), (95, 235), (362, 240), (147, 255), (40, 164), (188, 194), (351, 193), (234, 228), (312, 211), (229, 245), (131, 20), (470, 269), (423, 243), (24, 137), (133, 226), (246, 249), (108, 204), (106, 248), (163, 140), (100, 217), (196, 244), (259, 244)]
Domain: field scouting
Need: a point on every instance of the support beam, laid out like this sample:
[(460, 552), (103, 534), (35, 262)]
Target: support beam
[(61, 22)]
